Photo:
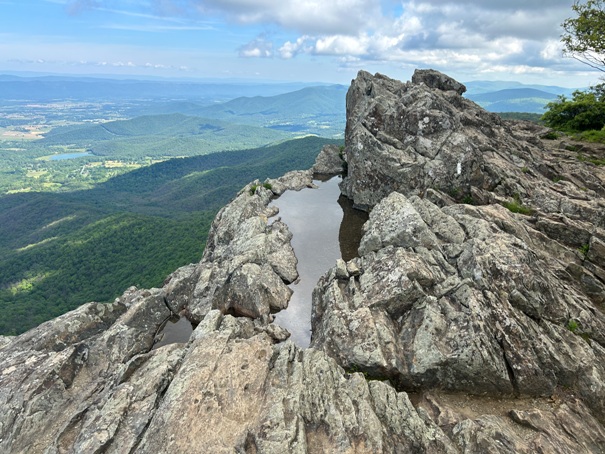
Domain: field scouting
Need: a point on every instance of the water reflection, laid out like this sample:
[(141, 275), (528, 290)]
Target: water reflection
[(175, 330), (350, 232), (321, 235)]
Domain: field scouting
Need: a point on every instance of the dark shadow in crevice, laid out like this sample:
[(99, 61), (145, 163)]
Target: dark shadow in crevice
[(351, 228)]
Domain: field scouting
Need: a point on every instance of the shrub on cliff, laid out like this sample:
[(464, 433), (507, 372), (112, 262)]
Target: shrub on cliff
[(585, 111), (584, 40)]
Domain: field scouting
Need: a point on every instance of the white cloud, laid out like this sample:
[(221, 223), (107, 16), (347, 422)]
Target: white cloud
[(518, 36), (290, 49), (342, 45), (552, 50), (258, 47)]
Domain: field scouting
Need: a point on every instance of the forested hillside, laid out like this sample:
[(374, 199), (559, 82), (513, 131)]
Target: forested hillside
[(309, 109), (161, 136), (59, 250)]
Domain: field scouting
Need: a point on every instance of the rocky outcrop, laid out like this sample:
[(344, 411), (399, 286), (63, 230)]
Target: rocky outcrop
[(476, 274), (409, 138), (449, 299), (247, 261), (330, 160), (89, 382), (471, 321)]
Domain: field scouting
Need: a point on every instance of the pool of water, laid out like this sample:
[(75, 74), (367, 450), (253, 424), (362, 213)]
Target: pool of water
[(63, 156), (325, 227), (175, 330)]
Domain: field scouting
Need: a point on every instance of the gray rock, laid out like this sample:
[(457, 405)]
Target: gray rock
[(293, 181), (435, 79), (418, 137), (5, 340), (341, 270), (250, 395), (395, 222), (244, 247), (76, 382), (453, 296), (253, 291), (329, 161), (483, 424)]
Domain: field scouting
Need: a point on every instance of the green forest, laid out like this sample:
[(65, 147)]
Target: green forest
[(59, 250), (161, 136)]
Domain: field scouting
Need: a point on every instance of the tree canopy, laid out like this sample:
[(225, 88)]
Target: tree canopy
[(584, 36), (585, 111)]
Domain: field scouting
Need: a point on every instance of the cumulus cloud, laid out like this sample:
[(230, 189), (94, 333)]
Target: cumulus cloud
[(258, 47), (474, 35), (420, 31), (291, 49)]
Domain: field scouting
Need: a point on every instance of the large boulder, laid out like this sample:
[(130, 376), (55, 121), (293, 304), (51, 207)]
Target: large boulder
[(476, 310), (329, 160), (435, 79)]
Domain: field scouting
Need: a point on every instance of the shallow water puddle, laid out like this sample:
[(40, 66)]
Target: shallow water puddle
[(175, 330), (325, 227)]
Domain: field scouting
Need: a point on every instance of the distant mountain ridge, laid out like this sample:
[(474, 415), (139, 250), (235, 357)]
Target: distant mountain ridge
[(504, 96), (280, 103), (50, 88), (320, 110), (316, 110), (476, 87), (514, 100), (512, 93)]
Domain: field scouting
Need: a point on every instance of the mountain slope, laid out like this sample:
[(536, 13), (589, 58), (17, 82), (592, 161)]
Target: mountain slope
[(476, 87), (311, 100), (161, 136)]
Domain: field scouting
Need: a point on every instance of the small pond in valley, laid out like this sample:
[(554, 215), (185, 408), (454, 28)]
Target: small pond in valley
[(325, 227), (64, 156)]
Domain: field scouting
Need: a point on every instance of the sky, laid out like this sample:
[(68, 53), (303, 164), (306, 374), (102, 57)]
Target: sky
[(291, 40)]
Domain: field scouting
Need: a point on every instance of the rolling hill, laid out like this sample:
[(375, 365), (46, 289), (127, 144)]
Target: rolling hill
[(317, 110), (514, 100), (507, 96)]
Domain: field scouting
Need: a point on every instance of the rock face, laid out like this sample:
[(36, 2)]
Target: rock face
[(463, 325), (329, 160)]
